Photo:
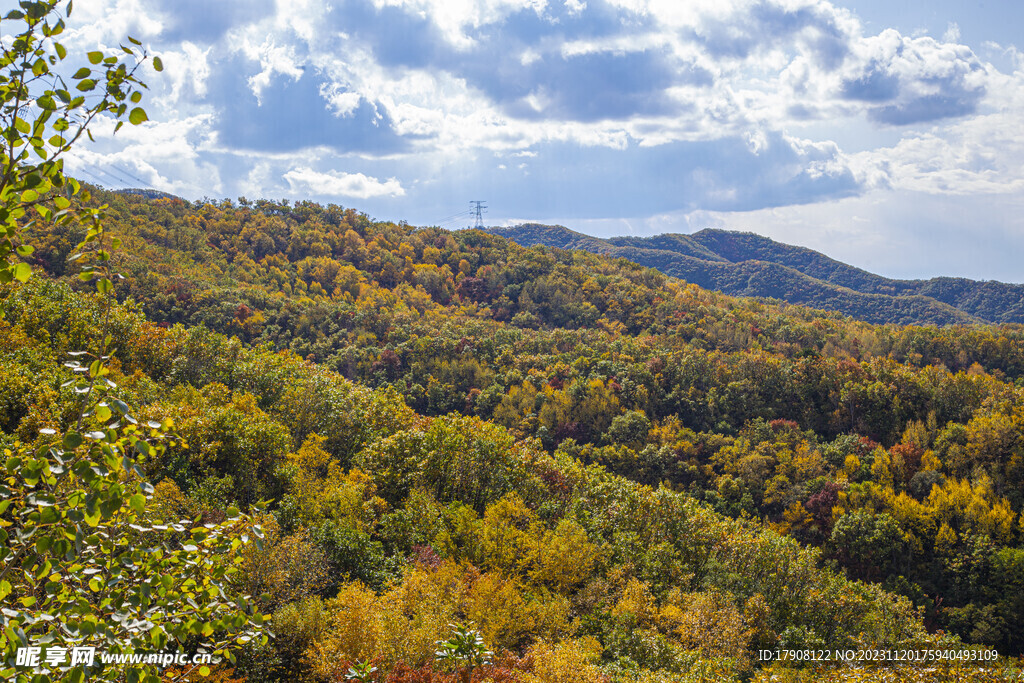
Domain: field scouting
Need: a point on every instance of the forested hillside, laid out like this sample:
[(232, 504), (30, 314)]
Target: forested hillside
[(609, 473), (745, 264)]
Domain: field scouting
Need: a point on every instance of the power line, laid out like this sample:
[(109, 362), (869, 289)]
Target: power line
[(454, 221), (131, 175), (448, 219), (116, 177), (478, 208), (94, 176)]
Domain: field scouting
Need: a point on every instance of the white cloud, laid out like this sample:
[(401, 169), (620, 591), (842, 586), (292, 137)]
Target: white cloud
[(187, 69), (977, 156), (769, 63), (274, 59), (165, 155), (456, 18), (775, 76), (575, 6), (107, 23), (342, 102), (952, 34), (334, 184)]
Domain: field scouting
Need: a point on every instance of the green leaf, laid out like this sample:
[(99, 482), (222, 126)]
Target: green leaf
[(22, 272), (95, 57), (82, 73), (137, 116), (137, 503), (158, 63), (204, 671)]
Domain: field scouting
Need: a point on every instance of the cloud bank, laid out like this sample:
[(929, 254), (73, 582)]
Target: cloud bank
[(333, 184)]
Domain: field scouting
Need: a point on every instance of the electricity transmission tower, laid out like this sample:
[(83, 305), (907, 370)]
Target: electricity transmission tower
[(478, 208)]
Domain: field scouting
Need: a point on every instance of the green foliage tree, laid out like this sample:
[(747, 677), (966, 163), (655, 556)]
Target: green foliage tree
[(361, 672), (463, 651), (43, 113), (84, 565), (869, 545)]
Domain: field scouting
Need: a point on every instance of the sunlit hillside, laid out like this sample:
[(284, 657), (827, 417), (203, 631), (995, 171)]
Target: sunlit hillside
[(604, 470)]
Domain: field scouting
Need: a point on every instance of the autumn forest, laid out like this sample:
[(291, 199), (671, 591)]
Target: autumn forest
[(600, 468), (324, 447)]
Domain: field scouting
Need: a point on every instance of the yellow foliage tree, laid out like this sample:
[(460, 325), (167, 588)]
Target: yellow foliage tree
[(565, 557), (565, 662)]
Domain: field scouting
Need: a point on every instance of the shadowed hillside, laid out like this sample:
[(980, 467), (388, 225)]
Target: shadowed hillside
[(745, 264)]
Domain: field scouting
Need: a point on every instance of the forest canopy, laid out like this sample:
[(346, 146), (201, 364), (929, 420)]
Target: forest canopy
[(591, 467)]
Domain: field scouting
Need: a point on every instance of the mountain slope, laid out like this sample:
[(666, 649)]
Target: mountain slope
[(892, 451), (745, 264)]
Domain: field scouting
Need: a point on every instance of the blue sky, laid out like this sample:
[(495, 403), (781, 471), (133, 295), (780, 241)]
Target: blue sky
[(886, 134)]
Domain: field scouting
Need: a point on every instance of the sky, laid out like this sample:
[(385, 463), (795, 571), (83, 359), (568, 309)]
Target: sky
[(885, 133)]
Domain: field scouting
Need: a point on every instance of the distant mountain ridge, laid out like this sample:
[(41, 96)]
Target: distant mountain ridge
[(147, 192), (747, 264)]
